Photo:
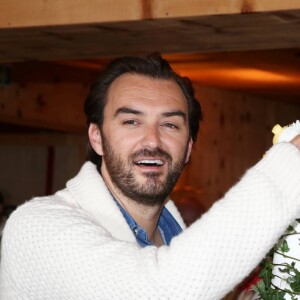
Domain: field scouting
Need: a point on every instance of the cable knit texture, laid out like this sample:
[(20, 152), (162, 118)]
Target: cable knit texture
[(77, 245)]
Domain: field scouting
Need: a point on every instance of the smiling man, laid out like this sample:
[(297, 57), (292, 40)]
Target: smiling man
[(113, 232), (144, 141)]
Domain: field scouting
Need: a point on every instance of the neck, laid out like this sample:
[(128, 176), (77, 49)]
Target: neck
[(145, 216)]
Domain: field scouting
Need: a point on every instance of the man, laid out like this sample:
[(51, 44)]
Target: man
[(113, 234)]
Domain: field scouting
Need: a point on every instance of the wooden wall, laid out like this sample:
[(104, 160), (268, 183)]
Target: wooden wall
[(234, 135), (38, 164)]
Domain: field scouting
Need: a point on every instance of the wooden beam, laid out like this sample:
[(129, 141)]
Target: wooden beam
[(17, 14), (93, 28)]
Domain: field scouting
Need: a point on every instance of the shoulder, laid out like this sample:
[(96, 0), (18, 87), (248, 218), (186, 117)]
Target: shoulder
[(38, 207), (42, 217)]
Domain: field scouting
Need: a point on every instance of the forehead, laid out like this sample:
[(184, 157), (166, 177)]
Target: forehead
[(139, 90)]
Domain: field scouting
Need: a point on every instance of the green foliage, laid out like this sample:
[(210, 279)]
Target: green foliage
[(290, 274), (294, 281), (267, 293), (284, 248), (290, 229)]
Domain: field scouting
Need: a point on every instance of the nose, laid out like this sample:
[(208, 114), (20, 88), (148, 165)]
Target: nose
[(151, 137)]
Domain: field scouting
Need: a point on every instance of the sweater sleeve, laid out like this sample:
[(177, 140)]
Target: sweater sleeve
[(53, 251)]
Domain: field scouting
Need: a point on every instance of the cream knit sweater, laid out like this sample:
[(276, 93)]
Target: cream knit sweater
[(77, 245)]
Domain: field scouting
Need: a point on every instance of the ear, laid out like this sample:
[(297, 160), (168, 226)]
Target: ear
[(95, 138), (189, 150)]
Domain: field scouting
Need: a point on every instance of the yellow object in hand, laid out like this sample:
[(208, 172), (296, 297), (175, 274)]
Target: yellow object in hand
[(285, 133)]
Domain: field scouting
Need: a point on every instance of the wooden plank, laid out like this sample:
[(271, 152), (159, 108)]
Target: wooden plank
[(179, 8), (28, 13), (236, 32)]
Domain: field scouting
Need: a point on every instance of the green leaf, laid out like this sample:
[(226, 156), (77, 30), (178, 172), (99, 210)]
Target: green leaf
[(284, 247), (284, 270), (295, 282)]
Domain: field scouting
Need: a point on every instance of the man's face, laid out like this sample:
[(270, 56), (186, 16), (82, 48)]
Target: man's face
[(144, 137)]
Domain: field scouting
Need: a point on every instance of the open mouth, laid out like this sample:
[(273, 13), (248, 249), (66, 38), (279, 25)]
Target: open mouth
[(149, 163)]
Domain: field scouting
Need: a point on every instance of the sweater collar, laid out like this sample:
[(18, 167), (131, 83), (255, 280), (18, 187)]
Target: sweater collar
[(90, 192)]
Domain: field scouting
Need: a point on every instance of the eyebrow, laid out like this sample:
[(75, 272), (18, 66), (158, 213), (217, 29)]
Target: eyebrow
[(178, 113), (127, 110)]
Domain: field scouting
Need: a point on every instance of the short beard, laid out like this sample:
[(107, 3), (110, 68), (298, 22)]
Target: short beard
[(154, 191)]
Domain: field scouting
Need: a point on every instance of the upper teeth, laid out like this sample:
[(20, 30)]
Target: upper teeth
[(148, 161)]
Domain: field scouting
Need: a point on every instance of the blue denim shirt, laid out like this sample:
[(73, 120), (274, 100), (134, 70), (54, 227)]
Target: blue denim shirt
[(167, 226)]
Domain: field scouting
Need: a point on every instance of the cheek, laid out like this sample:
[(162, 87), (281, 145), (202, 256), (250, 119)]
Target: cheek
[(128, 141), (124, 144), (176, 147)]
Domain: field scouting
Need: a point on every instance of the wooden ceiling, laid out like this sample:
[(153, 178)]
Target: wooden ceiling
[(244, 45), (273, 73), (76, 29)]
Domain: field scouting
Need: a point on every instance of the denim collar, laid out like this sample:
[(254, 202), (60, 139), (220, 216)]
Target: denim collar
[(167, 225)]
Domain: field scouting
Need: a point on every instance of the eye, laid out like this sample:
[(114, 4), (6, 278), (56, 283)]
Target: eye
[(171, 126), (130, 122)]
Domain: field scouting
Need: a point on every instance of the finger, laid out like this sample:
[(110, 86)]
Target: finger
[(296, 141)]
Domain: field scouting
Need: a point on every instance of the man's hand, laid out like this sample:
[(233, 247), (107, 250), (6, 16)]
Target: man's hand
[(296, 141)]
